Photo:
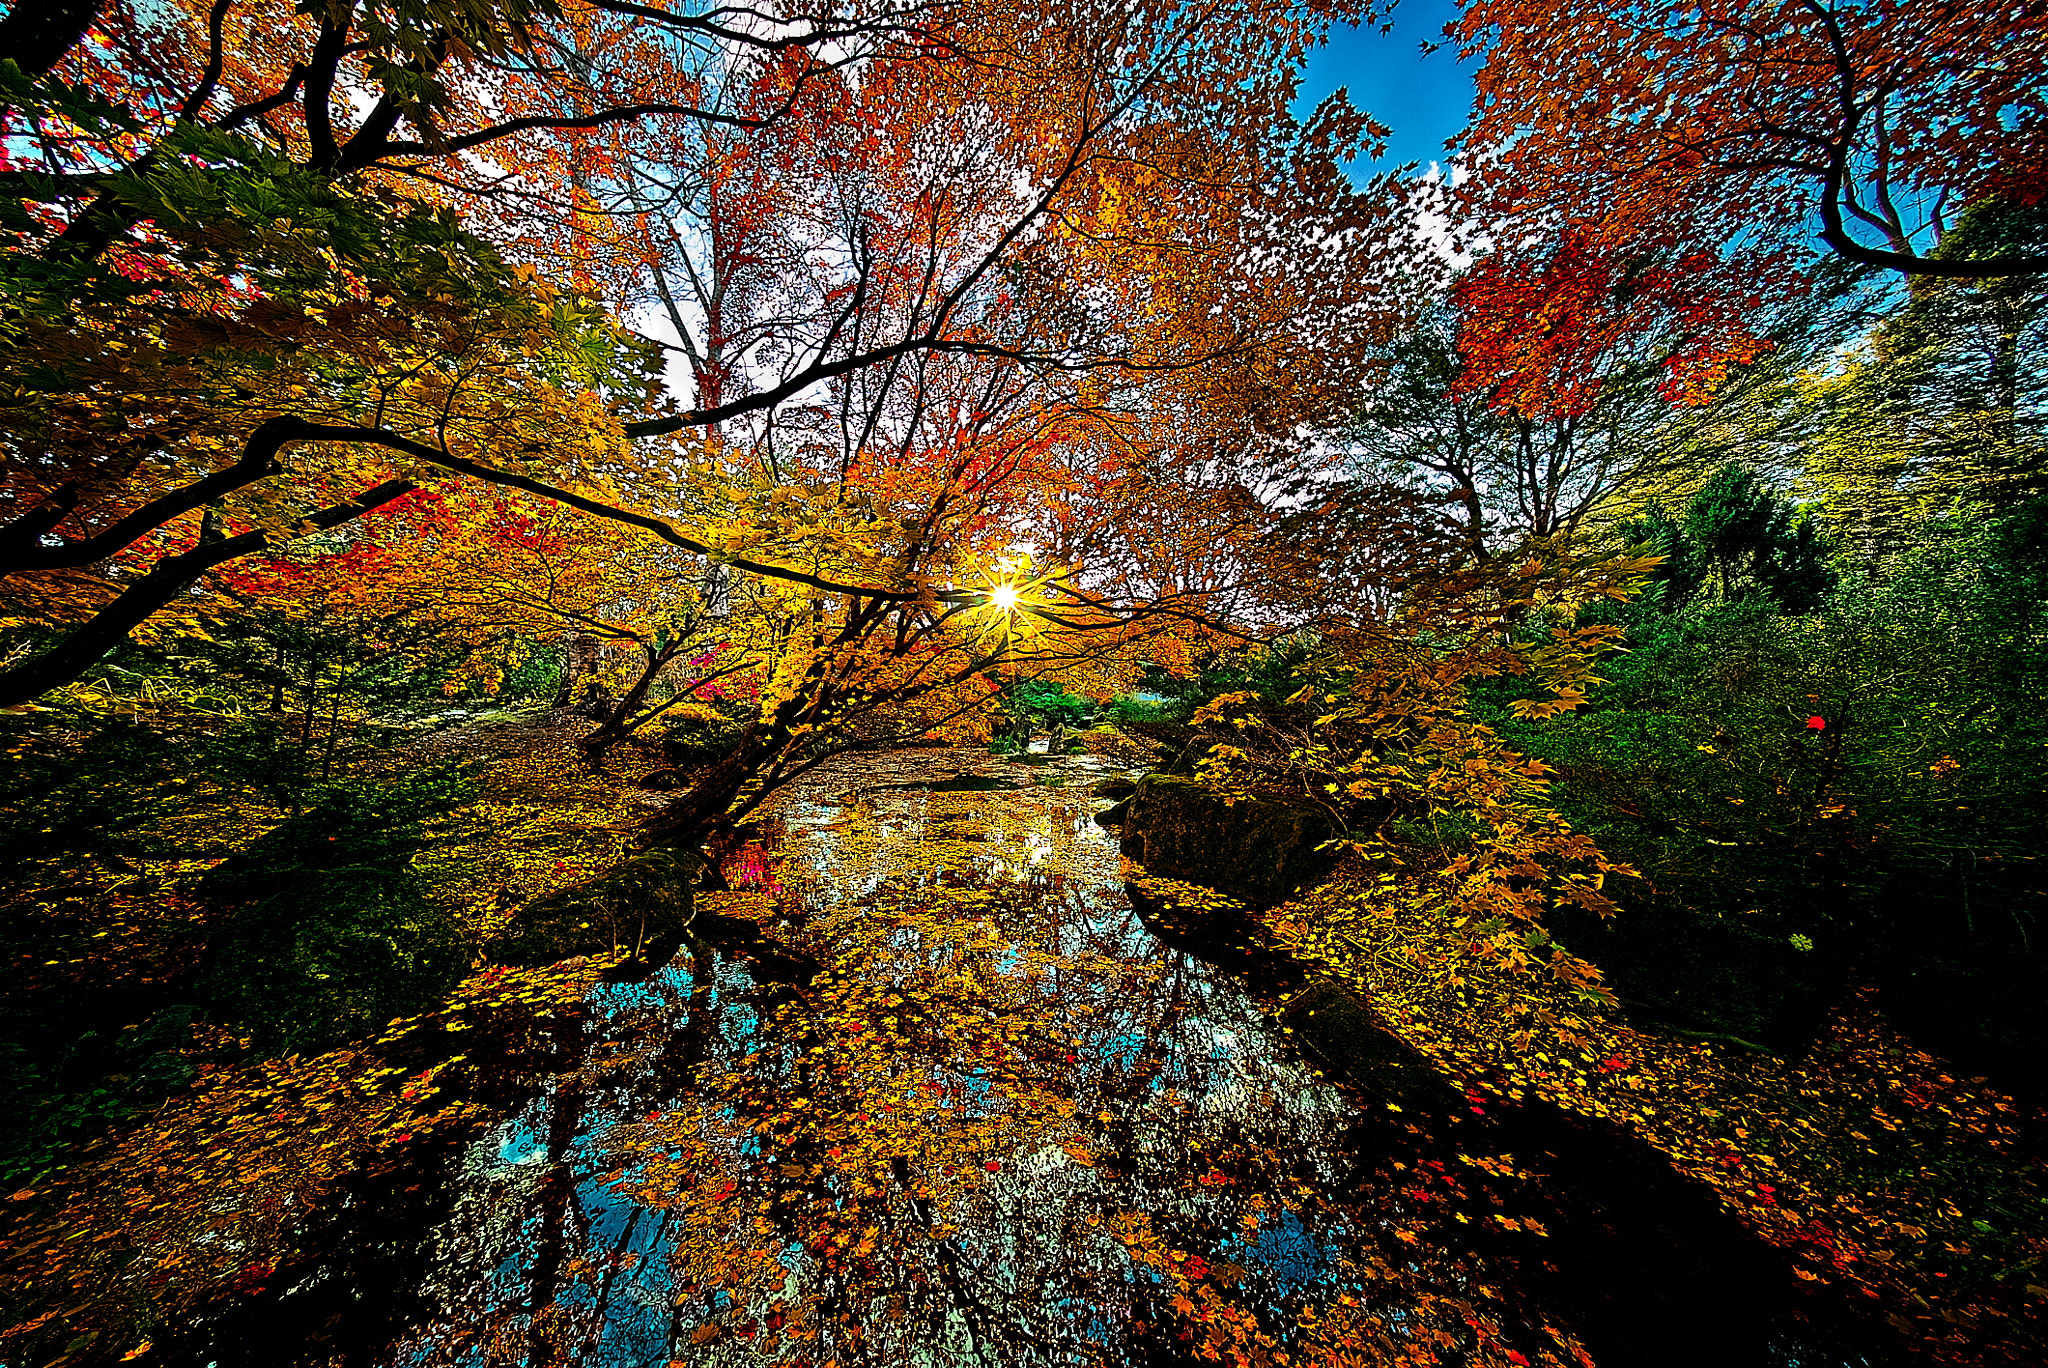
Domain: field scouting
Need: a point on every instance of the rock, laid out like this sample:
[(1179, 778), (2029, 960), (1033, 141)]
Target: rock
[(660, 781), (1114, 788), (1345, 1034), (1179, 747), (689, 742), (1260, 851), (643, 906)]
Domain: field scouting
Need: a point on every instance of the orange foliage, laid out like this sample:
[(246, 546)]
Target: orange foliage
[(1541, 331), (1731, 125)]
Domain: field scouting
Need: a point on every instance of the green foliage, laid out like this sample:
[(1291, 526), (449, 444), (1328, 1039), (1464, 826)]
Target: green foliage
[(1737, 538), (336, 936), (536, 671), (1862, 785), (266, 755), (1043, 701), (318, 679), (93, 806), (56, 1097), (308, 659), (1132, 708), (1271, 670), (641, 906), (350, 824), (1939, 410), (691, 739), (96, 809), (222, 201)]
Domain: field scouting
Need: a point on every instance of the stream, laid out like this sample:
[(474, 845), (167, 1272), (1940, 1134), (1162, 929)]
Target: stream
[(926, 1089)]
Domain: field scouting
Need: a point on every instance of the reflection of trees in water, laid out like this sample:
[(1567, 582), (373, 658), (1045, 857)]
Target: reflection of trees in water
[(997, 1125)]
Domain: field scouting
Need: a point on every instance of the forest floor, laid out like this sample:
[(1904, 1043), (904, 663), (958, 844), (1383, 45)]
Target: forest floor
[(1874, 1167), (1878, 1172)]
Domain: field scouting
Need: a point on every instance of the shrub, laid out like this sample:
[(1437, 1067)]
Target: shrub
[(1869, 779), (335, 935), (332, 956), (1132, 708)]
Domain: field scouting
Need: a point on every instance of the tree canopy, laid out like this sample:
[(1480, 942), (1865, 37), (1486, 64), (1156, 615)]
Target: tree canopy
[(1753, 122), (874, 593)]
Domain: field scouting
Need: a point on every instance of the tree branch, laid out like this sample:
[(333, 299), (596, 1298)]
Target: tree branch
[(167, 579), (257, 461)]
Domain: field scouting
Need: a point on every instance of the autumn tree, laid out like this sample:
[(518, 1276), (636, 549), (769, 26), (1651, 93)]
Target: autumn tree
[(1559, 384), (1504, 453), (1749, 124), (1443, 824), (1096, 216)]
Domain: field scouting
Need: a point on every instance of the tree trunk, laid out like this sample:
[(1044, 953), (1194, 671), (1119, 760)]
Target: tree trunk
[(691, 819), (579, 657), (627, 715)]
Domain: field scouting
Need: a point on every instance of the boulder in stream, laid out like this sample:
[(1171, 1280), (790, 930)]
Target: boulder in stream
[(643, 906), (1261, 851)]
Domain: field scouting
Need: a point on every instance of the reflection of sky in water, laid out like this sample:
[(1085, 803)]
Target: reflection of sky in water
[(1200, 1119)]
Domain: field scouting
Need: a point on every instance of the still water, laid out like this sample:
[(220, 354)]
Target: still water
[(925, 1090), (958, 1107)]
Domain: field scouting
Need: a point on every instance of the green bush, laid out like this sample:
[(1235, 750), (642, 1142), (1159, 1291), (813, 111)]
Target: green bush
[(1740, 538), (536, 673), (689, 740), (55, 1097), (1862, 788), (639, 906), (1130, 708), (1043, 702), (335, 935), (351, 823), (1271, 670)]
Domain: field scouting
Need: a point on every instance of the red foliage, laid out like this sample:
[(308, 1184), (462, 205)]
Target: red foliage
[(1541, 330)]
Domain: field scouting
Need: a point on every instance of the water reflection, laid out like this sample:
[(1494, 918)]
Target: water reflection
[(955, 1105)]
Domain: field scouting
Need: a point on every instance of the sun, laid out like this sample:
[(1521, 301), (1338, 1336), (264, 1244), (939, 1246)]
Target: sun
[(1006, 603)]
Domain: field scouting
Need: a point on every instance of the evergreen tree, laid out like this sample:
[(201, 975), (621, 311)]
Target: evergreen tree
[(1742, 539)]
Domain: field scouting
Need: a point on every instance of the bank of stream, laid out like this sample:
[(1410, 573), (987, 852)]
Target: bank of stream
[(925, 1087)]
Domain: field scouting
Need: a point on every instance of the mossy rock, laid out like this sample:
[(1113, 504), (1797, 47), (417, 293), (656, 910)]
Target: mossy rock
[(1260, 851), (1114, 788), (689, 742), (1342, 1032), (642, 906)]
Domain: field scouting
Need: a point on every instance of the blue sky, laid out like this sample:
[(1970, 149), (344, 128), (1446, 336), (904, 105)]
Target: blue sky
[(1423, 99)]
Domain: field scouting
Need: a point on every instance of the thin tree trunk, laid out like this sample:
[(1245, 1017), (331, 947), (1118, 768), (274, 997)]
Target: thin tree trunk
[(578, 656), (626, 716)]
